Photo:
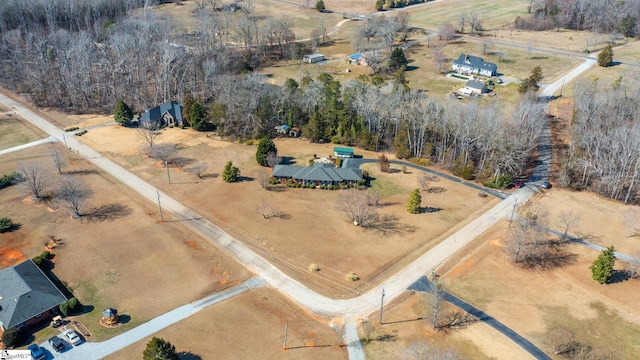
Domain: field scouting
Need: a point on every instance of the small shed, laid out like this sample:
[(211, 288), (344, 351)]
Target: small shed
[(343, 152), (294, 132), (313, 58), (475, 87)]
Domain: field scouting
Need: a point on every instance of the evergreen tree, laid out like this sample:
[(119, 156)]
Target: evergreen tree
[(413, 206), (605, 58), (122, 113), (160, 349), (230, 173), (320, 5), (186, 106), (532, 82), (197, 116), (379, 5), (602, 267), (266, 147), (401, 143), (397, 59)]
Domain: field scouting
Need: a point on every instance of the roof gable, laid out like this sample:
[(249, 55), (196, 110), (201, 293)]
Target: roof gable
[(174, 109), (475, 62), (475, 84), (25, 291)]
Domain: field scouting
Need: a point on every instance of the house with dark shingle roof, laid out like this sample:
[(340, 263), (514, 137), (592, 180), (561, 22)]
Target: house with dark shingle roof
[(167, 114), (317, 174), (474, 87), (469, 64), (27, 296)]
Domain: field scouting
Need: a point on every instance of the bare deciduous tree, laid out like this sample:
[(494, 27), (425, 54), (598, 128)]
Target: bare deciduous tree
[(568, 220), (630, 218), (355, 205), (34, 178), (267, 210), (447, 32), (149, 138), (263, 178), (485, 46), (273, 159), (425, 179), (198, 169), (56, 157), (437, 293), (74, 193), (164, 152)]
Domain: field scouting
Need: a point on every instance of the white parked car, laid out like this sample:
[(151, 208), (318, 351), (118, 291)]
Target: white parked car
[(72, 336)]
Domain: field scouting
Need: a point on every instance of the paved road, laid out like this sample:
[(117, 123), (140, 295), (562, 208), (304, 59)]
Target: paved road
[(424, 285), (364, 304), (98, 350), (26, 146)]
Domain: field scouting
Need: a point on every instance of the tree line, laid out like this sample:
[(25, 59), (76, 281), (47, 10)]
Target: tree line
[(601, 16)]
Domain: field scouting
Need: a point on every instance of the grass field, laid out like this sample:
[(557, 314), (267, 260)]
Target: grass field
[(604, 316), (496, 13), (120, 257), (316, 231), (15, 131), (249, 326)]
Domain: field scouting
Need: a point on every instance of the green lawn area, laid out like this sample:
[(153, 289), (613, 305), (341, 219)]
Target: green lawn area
[(496, 12)]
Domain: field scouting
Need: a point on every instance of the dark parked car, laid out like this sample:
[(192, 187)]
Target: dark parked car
[(546, 185), (36, 352), (57, 343)]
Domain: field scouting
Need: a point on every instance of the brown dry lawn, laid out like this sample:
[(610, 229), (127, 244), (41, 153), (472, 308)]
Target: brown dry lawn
[(14, 131), (249, 326), (311, 229), (606, 316), (124, 258), (407, 325)]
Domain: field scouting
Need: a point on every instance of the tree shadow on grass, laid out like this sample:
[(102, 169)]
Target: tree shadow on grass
[(108, 212), (548, 255), (82, 172), (618, 276), (389, 224), (429, 209), (188, 355)]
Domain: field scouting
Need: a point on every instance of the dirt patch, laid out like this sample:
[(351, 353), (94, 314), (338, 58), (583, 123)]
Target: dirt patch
[(10, 257)]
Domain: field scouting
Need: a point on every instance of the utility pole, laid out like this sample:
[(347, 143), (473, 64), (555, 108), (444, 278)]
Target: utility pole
[(160, 206), (563, 79), (166, 165), (65, 146), (381, 306), (286, 328), (515, 202)]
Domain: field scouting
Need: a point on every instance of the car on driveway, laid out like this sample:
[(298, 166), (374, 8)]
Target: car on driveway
[(57, 344), (546, 185), (519, 184), (36, 352), (72, 336)]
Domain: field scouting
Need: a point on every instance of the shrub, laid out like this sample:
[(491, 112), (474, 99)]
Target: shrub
[(6, 225), (7, 179), (80, 133), (42, 260), (71, 306), (322, 187), (74, 128), (12, 337), (338, 162), (352, 276), (314, 268)]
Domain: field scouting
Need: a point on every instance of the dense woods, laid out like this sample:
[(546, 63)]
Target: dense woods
[(88, 55), (603, 16), (604, 152)]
